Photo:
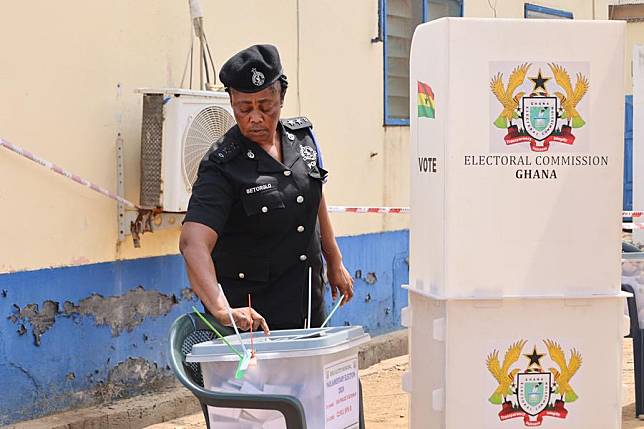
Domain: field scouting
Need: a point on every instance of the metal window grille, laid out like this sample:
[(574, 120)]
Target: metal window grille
[(533, 11), (151, 150)]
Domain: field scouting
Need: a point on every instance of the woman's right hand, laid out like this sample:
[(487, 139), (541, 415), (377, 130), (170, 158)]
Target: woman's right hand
[(243, 316)]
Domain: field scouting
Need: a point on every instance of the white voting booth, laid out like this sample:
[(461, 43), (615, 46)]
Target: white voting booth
[(515, 316)]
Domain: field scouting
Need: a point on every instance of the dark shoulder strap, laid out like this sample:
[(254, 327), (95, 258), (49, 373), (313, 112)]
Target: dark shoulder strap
[(296, 123), (226, 149)]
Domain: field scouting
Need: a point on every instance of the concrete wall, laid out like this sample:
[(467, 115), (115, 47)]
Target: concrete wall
[(82, 335), (73, 71), (632, 11), (72, 91), (581, 9)]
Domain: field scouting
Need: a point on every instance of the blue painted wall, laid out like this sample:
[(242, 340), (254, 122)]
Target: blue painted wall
[(379, 264), (628, 153), (74, 363)]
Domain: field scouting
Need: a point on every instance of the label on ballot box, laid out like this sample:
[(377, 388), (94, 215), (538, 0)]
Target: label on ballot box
[(341, 396)]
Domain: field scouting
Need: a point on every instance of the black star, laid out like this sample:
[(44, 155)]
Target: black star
[(534, 357), (539, 81)]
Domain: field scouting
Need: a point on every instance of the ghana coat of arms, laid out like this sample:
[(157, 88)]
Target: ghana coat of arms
[(539, 117), (533, 392)]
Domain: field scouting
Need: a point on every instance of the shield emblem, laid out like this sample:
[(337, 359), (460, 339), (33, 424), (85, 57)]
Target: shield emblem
[(533, 391), (539, 116)]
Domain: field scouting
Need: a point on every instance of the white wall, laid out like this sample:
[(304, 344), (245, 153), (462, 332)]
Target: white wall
[(68, 72), (581, 9)]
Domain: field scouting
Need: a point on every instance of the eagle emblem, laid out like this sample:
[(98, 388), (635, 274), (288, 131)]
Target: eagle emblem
[(528, 110), (530, 392)]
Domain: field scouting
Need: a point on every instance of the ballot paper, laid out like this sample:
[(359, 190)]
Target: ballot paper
[(260, 415), (278, 423), (228, 423), (231, 413), (257, 418)]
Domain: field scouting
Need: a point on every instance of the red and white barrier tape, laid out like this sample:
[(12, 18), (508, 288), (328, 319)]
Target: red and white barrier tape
[(344, 209), (332, 209), (405, 210), (55, 168), (633, 225)]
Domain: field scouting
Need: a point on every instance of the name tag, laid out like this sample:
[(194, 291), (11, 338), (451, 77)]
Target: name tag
[(258, 188)]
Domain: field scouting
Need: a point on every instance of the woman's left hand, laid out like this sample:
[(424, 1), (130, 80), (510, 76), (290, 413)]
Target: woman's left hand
[(340, 280)]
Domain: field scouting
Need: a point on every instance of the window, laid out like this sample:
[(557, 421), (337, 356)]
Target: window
[(631, 12), (399, 18), (540, 12)]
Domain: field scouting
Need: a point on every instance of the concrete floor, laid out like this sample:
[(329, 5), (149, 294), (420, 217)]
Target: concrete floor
[(381, 384)]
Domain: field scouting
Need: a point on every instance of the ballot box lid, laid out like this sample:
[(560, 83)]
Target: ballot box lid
[(284, 343)]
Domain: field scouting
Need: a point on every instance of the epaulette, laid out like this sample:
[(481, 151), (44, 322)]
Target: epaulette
[(297, 123), (226, 150)]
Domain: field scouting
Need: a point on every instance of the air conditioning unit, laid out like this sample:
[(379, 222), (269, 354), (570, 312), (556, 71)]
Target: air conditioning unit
[(178, 128)]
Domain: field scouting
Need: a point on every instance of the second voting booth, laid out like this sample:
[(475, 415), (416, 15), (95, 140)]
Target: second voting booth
[(515, 316)]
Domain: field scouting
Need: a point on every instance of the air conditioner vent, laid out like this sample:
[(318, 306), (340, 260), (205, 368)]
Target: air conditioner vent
[(204, 130)]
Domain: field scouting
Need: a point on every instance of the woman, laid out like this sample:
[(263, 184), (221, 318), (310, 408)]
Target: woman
[(257, 221)]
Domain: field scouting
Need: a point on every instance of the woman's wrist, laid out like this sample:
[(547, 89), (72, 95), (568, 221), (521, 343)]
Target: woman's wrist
[(221, 315), (333, 255), (217, 308)]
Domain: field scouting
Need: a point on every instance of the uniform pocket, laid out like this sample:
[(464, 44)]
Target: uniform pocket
[(242, 268), (262, 202)]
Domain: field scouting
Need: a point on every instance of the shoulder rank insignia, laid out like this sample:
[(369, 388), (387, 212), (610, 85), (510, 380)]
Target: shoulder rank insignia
[(226, 149), (296, 123)]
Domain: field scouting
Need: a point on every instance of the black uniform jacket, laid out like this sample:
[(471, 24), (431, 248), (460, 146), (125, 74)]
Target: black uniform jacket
[(265, 214)]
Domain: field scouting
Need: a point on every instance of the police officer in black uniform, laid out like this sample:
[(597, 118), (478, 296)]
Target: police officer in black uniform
[(257, 220)]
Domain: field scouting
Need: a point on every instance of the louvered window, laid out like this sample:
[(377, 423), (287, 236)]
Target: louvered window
[(400, 19), (534, 11)]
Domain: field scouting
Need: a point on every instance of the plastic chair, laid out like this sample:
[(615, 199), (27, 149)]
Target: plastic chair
[(188, 324), (637, 334), (629, 248), (188, 330)]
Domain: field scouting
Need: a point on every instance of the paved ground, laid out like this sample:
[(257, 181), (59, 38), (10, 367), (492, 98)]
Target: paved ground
[(381, 384)]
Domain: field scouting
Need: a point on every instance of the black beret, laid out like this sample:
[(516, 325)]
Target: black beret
[(252, 69)]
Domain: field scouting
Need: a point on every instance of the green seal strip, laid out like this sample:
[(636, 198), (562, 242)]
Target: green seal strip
[(221, 337)]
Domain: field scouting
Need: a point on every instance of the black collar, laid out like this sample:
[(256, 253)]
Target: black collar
[(251, 151)]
